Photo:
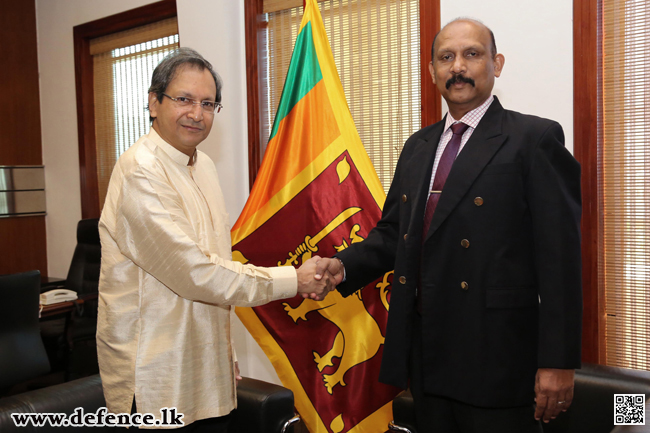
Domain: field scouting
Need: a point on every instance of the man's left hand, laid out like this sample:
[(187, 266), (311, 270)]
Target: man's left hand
[(553, 392), (237, 372)]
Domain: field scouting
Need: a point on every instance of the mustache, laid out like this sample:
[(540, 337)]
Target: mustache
[(460, 78), (192, 124)]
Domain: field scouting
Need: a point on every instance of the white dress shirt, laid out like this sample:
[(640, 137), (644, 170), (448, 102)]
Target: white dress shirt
[(471, 119)]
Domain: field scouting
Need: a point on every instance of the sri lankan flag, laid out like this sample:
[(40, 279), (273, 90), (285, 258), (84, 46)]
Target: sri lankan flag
[(317, 193)]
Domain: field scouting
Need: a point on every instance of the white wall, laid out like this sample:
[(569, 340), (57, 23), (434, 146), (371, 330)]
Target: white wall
[(54, 22), (536, 39), (215, 29), (223, 45)]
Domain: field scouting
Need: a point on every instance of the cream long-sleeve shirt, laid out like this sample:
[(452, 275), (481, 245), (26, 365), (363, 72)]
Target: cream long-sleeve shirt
[(167, 285)]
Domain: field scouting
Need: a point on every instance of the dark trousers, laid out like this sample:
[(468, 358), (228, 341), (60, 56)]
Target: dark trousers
[(438, 414)]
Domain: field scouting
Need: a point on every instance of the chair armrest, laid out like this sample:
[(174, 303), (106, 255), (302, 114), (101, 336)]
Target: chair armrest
[(403, 413), (592, 410), (63, 398), (262, 407)]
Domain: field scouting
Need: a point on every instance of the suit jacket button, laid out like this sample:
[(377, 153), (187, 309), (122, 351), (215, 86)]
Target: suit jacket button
[(402, 280), (404, 198), (478, 201), (406, 236), (464, 243), (464, 285)]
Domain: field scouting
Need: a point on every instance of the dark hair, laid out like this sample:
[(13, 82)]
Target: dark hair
[(493, 47), (167, 69)]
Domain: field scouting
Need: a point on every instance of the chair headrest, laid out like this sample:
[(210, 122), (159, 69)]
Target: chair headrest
[(88, 231)]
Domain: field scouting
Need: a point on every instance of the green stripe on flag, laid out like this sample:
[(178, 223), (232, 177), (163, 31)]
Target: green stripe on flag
[(304, 72)]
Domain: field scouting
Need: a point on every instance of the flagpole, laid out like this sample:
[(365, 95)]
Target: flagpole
[(315, 155)]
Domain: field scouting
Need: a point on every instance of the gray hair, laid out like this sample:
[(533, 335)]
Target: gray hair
[(167, 69)]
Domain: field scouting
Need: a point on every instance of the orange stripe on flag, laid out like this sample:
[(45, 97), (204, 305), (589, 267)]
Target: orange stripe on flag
[(303, 134), (317, 193)]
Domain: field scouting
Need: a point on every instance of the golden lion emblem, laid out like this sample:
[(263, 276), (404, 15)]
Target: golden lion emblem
[(359, 337)]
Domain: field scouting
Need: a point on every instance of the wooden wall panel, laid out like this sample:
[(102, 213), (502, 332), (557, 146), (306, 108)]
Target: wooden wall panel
[(22, 239), (20, 117), (429, 28), (585, 149), (23, 245), (254, 25), (82, 34)]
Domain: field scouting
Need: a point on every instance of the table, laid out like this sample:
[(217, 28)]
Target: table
[(65, 307), (49, 283)]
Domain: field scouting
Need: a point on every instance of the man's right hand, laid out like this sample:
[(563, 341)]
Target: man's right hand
[(334, 267), (311, 287)]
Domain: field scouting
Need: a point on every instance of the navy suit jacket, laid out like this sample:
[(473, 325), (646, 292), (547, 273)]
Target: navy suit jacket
[(500, 266)]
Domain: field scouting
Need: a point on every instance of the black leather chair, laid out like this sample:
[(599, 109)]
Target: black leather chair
[(592, 410), (83, 275), (403, 414), (262, 407), (22, 354), (71, 344), (83, 278)]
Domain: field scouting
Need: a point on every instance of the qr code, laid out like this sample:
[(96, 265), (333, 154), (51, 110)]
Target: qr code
[(629, 409)]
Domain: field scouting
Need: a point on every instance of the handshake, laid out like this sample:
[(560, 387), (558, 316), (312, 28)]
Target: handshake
[(317, 277)]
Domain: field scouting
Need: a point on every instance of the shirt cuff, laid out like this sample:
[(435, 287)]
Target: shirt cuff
[(285, 282)]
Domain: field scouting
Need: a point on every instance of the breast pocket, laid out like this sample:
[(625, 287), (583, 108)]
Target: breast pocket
[(502, 188)]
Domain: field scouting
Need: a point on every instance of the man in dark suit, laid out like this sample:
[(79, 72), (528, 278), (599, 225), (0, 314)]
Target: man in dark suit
[(486, 305)]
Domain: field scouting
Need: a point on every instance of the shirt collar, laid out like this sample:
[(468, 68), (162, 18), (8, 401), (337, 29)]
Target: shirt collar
[(175, 154), (473, 117)]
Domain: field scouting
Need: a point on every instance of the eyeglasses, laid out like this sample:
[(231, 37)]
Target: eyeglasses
[(207, 106)]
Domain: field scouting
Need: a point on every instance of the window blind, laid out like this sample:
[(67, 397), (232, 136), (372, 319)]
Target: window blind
[(376, 47), (624, 135), (122, 67), (278, 5)]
